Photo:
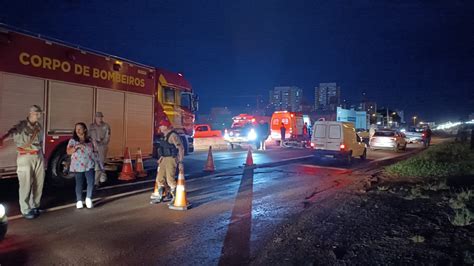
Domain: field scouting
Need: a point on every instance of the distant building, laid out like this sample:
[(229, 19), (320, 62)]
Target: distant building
[(287, 98), (369, 107), (307, 108), (327, 96), (359, 118)]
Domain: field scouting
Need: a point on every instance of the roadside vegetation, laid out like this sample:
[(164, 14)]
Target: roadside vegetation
[(444, 160)]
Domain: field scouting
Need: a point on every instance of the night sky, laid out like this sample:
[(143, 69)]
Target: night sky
[(412, 55)]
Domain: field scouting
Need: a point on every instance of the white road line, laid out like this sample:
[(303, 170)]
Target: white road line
[(259, 165), (326, 167)]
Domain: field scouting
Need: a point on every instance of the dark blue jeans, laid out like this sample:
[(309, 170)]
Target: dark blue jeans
[(89, 175)]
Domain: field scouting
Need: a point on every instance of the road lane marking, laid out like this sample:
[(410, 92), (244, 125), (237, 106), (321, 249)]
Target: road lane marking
[(326, 167), (262, 165)]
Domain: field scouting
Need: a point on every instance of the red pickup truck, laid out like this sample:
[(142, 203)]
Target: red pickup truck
[(205, 131)]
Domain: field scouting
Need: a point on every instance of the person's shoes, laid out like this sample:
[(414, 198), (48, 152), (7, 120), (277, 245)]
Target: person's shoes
[(36, 211), (168, 197), (156, 200), (154, 196), (30, 216), (173, 194), (89, 204), (79, 205)]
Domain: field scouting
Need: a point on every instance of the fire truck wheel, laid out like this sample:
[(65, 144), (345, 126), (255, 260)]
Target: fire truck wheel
[(58, 168)]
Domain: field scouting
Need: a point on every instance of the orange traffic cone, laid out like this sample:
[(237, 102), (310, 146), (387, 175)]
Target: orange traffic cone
[(139, 168), (210, 162), (180, 202), (155, 193), (127, 168), (249, 162)]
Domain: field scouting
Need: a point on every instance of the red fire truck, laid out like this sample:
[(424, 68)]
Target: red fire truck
[(243, 130), (71, 83)]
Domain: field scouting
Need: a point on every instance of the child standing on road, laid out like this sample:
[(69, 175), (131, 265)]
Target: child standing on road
[(81, 148)]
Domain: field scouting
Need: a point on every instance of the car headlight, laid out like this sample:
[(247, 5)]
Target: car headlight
[(252, 135), (226, 136), (3, 222), (3, 214), (2, 211)]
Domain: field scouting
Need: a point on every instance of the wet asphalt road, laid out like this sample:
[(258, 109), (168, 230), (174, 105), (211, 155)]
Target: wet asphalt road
[(234, 213), (194, 165)]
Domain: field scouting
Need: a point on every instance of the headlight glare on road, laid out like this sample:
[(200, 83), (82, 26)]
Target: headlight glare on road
[(252, 135), (2, 212)]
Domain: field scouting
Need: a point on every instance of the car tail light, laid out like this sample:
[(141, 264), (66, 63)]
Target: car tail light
[(342, 146), (312, 145)]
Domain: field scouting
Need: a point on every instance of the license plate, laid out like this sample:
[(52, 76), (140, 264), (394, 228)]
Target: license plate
[(329, 156)]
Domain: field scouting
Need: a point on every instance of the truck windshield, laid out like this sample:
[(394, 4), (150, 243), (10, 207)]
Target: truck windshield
[(186, 100), (169, 95)]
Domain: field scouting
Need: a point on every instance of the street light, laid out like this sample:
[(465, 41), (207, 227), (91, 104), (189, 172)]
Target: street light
[(414, 121)]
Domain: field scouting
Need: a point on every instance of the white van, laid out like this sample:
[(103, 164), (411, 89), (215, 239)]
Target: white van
[(337, 140)]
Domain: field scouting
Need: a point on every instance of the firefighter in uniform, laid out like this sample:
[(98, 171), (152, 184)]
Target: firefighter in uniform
[(171, 155), (28, 138), (100, 132)]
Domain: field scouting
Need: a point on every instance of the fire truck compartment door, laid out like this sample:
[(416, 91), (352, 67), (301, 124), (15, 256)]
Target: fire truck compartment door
[(17, 94), (69, 104), (139, 122), (112, 105)]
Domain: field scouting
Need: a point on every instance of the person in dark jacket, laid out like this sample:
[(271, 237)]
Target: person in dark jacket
[(263, 131), (427, 136), (282, 133), (305, 131)]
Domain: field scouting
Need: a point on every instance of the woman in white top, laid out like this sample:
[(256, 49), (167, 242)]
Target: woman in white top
[(81, 148)]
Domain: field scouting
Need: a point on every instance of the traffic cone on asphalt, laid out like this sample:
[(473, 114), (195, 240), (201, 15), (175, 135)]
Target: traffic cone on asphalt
[(180, 203), (210, 162), (155, 194), (249, 161), (139, 168), (127, 168)]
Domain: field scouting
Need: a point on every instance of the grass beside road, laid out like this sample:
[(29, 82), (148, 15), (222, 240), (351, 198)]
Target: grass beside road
[(443, 160)]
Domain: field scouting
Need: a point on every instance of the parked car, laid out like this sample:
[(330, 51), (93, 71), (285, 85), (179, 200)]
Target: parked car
[(205, 131), (337, 140), (413, 135), (388, 140)]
